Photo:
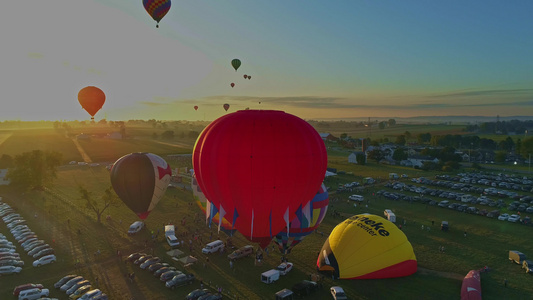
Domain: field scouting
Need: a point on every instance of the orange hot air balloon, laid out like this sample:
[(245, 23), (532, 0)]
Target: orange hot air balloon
[(196, 107), (91, 99), (226, 106), (232, 84)]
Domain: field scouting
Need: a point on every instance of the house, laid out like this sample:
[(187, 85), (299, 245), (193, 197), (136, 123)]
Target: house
[(328, 137), (352, 158), (417, 162)]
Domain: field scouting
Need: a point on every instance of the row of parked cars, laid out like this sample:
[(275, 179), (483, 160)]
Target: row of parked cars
[(168, 274), (77, 287), (38, 249)]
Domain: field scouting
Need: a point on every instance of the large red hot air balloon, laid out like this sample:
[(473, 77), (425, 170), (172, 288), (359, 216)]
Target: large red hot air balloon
[(91, 99), (258, 167), (140, 180), (157, 9)]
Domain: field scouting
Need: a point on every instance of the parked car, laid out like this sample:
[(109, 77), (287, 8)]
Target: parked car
[(38, 248), (284, 268), (76, 286), (64, 280), (338, 293), (7, 270), (194, 295), (503, 217), (80, 291), (32, 294), (150, 262), (210, 296), (27, 286), (169, 275), (44, 252), (513, 218), (91, 294), (163, 270), (241, 252), (12, 262), (70, 283), (157, 266), (47, 259), (357, 198), (179, 280), (134, 256), (135, 227), (142, 259), (304, 288)]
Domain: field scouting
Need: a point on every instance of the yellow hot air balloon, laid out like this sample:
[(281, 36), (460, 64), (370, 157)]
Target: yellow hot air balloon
[(367, 247)]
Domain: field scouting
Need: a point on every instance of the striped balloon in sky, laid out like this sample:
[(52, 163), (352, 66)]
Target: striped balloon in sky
[(157, 9)]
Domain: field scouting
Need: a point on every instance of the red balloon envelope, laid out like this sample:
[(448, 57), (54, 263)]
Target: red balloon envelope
[(258, 167), (91, 99)]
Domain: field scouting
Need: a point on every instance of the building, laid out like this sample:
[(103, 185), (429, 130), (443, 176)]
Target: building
[(352, 158)]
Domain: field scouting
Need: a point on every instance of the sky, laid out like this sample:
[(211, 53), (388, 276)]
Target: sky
[(314, 59)]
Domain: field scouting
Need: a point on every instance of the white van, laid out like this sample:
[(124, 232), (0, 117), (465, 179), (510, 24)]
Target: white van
[(34, 293), (213, 247), (135, 227), (270, 276), (390, 215)]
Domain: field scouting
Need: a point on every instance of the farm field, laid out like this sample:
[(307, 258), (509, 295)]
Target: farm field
[(60, 217)]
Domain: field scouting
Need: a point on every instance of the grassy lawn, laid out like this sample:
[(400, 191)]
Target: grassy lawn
[(63, 221)]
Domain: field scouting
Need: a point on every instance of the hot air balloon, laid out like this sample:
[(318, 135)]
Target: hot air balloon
[(226, 107), (196, 107), (211, 214), (91, 99), (259, 167), (236, 63), (245, 76), (157, 9), (471, 287), (367, 247), (249, 77), (140, 180), (307, 220), (232, 84)]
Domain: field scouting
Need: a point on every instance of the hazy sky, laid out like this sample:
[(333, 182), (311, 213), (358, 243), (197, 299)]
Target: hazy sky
[(314, 58)]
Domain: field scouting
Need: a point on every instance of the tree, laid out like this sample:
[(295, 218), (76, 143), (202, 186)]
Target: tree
[(344, 135), (500, 156), (526, 147), (376, 154), (399, 154), (167, 135), (400, 140), (109, 198), (392, 122), (6, 161), (361, 159), (407, 135), (424, 137), (32, 170), (382, 125)]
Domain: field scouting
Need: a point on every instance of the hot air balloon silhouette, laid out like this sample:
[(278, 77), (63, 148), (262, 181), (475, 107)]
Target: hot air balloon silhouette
[(226, 107), (196, 107), (91, 99), (307, 220), (232, 84), (157, 9), (140, 180), (367, 247), (249, 77), (245, 76), (259, 167), (236, 63)]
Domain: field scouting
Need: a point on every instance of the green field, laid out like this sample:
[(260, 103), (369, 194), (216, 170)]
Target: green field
[(60, 218)]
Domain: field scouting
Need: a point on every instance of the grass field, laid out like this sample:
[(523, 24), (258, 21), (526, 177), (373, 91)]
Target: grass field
[(60, 214)]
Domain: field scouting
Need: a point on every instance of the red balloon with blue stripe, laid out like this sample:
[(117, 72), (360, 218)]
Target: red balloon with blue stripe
[(157, 9)]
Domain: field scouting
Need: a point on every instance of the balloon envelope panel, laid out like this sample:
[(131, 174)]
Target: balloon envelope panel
[(306, 221), (140, 180), (367, 247), (260, 166)]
